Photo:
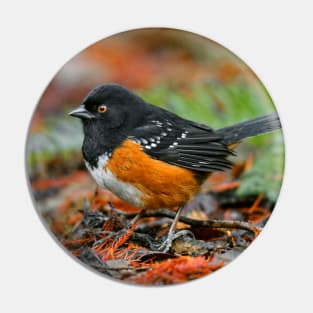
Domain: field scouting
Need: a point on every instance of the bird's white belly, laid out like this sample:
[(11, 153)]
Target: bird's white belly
[(105, 178)]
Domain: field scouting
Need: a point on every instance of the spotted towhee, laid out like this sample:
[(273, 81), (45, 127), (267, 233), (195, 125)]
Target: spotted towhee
[(150, 157)]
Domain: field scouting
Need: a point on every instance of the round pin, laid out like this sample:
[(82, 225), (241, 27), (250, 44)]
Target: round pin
[(155, 157)]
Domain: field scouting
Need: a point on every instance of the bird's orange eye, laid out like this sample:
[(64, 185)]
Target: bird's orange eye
[(102, 108)]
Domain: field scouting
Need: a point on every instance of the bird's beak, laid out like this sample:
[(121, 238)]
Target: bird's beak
[(82, 113)]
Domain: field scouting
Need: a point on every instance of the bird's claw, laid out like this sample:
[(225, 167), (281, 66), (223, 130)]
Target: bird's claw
[(167, 243)]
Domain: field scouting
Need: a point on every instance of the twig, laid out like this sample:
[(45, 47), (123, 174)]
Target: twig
[(203, 223)]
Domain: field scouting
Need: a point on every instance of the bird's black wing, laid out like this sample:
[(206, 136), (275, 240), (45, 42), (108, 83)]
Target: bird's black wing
[(190, 145)]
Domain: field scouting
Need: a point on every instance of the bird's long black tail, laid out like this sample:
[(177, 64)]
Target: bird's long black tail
[(251, 128)]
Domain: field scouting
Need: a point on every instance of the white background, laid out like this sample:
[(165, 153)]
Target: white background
[(274, 38)]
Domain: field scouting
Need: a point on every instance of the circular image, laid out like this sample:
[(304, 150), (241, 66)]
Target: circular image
[(155, 156)]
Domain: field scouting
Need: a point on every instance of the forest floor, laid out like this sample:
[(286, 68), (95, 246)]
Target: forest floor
[(98, 229)]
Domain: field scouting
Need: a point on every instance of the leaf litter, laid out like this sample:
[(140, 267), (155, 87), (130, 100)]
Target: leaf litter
[(98, 229)]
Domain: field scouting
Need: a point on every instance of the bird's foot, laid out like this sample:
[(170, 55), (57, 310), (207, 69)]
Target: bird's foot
[(167, 243)]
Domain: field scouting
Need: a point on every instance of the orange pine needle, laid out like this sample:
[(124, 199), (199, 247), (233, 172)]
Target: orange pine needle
[(226, 186), (75, 218), (177, 270), (107, 250), (58, 182), (256, 203), (249, 162)]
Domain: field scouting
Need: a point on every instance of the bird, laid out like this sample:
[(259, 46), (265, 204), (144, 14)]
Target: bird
[(150, 157)]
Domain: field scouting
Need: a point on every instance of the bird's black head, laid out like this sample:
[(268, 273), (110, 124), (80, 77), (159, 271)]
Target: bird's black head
[(111, 106), (109, 113)]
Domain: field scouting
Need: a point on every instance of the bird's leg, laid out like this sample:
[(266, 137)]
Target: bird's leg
[(135, 219), (171, 236)]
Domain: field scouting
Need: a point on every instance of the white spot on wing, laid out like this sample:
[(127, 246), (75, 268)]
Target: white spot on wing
[(157, 123)]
